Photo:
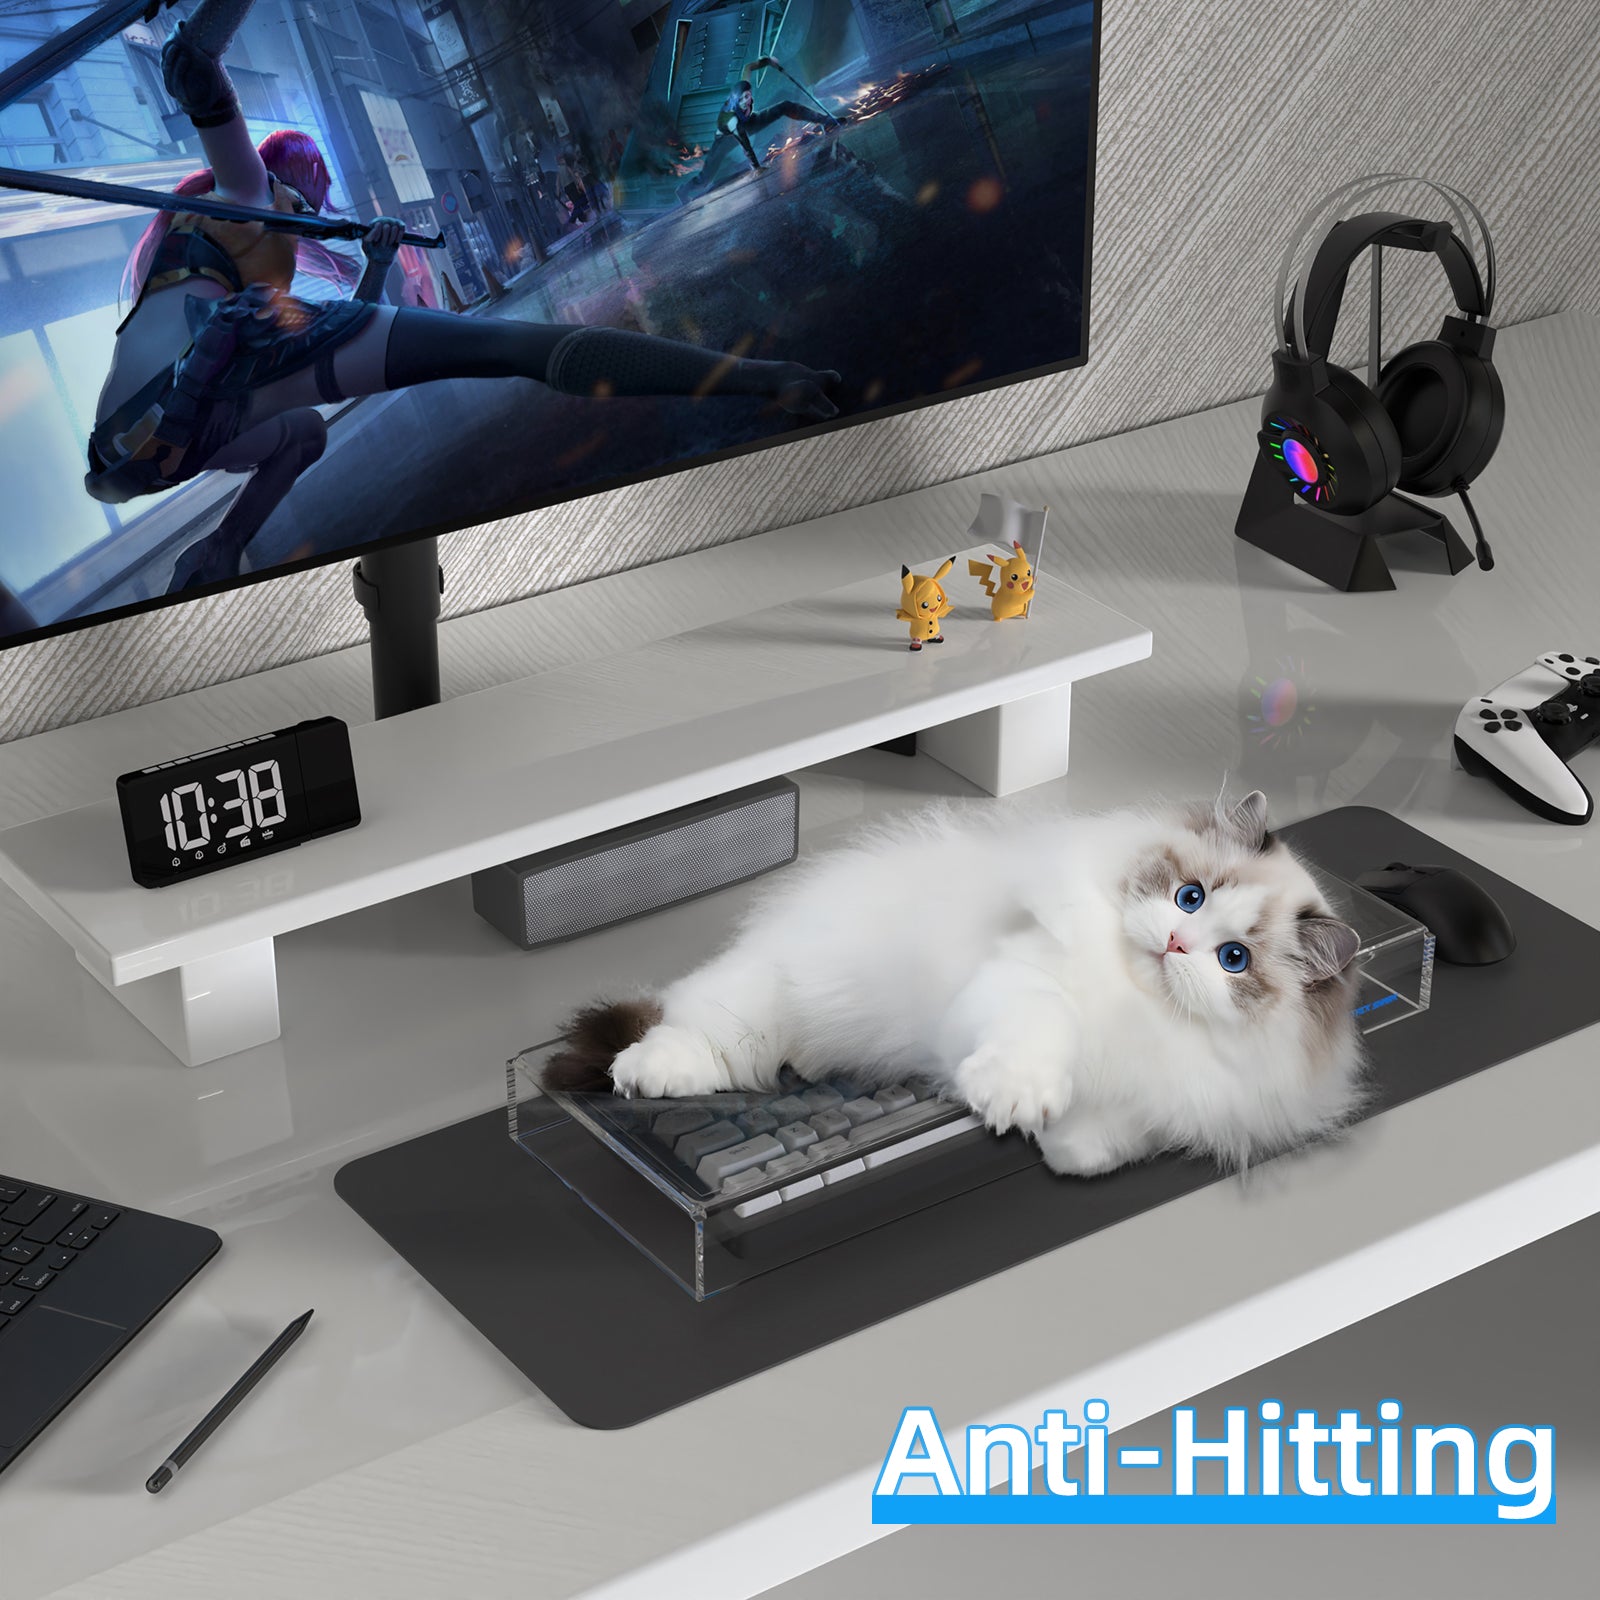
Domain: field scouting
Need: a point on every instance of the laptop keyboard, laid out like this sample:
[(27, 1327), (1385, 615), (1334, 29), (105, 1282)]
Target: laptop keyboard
[(43, 1232)]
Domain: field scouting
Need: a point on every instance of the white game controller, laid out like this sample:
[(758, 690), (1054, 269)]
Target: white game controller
[(1522, 734)]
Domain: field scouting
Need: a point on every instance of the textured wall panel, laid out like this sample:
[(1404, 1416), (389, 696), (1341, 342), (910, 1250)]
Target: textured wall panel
[(1214, 130)]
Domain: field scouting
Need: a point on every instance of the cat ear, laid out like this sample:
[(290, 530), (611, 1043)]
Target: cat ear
[(1328, 947), (1248, 819)]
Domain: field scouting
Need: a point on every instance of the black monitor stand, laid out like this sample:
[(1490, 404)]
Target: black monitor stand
[(399, 589)]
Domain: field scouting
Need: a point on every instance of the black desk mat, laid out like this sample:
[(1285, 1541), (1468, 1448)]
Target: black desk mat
[(608, 1337)]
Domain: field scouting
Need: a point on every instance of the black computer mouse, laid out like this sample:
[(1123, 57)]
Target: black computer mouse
[(1468, 926)]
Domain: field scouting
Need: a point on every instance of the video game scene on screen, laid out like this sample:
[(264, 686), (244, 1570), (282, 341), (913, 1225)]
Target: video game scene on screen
[(579, 243)]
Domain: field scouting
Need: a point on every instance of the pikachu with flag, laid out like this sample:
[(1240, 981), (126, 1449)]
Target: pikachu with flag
[(1008, 581)]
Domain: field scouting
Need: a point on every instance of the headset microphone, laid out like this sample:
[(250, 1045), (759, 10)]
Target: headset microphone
[(1484, 553)]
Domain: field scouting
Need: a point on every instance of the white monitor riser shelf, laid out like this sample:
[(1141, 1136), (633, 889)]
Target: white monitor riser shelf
[(563, 755)]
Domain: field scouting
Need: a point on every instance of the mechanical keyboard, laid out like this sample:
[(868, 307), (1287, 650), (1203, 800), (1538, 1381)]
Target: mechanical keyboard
[(765, 1149)]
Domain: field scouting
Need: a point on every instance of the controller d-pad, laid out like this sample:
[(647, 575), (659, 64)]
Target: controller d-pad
[(1554, 712), (1488, 715)]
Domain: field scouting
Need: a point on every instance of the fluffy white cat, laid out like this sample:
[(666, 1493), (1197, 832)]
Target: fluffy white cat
[(1111, 985)]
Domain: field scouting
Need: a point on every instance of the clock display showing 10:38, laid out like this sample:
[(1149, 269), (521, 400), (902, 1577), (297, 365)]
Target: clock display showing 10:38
[(253, 797), (259, 802)]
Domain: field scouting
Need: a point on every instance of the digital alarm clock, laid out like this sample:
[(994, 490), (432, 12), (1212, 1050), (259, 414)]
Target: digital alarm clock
[(249, 798)]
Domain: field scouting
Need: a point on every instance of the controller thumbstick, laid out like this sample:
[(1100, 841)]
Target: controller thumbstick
[(1554, 712), (1591, 685)]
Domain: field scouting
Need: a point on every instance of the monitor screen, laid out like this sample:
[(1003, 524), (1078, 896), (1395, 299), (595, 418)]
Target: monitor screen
[(513, 254)]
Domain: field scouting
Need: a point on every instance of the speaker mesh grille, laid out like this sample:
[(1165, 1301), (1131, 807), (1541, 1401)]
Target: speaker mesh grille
[(572, 897)]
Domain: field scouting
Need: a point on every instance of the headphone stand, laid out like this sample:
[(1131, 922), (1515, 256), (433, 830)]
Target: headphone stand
[(1341, 551)]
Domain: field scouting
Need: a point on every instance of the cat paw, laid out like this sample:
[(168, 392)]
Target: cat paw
[(1086, 1146), (668, 1064), (1010, 1089)]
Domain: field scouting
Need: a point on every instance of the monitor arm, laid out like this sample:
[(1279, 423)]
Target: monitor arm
[(399, 589)]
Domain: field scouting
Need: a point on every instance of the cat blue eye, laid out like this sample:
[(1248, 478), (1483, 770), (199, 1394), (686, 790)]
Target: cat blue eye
[(1234, 957), (1190, 897)]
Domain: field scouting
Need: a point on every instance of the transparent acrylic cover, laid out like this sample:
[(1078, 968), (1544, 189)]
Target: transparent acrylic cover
[(748, 1150), (718, 1188), (736, 1149), (1394, 966)]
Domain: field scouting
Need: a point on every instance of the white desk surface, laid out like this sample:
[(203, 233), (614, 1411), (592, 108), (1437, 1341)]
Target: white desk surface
[(394, 1454)]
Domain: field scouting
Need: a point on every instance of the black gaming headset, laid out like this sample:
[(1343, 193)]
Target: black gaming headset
[(1438, 410)]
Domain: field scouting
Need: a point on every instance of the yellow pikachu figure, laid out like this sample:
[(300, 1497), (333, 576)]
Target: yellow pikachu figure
[(924, 604), (1009, 584)]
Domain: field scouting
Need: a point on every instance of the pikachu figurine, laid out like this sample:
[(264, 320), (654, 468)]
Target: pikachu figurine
[(924, 605), (1009, 584)]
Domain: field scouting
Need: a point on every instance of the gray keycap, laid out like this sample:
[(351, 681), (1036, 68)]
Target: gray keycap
[(782, 1166), (791, 1108), (861, 1110), (829, 1123), (757, 1121), (671, 1126), (895, 1098), (797, 1136), (721, 1164), (921, 1141), (693, 1146), (827, 1150), (821, 1098), (738, 1182), (899, 1122)]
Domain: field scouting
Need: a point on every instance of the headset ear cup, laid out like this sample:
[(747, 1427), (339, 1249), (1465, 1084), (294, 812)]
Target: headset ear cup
[(1448, 411), (1361, 439), (1486, 420)]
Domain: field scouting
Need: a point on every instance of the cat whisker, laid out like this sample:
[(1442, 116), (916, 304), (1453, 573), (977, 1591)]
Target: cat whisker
[(1180, 995)]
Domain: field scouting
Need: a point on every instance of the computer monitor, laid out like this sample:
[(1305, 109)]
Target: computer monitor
[(802, 214)]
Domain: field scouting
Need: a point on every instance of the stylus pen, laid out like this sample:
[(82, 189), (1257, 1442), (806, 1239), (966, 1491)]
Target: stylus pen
[(264, 1363)]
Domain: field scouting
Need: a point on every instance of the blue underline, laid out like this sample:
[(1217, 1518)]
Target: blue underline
[(1340, 1510)]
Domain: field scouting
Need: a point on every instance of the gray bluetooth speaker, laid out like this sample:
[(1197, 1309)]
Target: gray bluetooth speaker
[(646, 866)]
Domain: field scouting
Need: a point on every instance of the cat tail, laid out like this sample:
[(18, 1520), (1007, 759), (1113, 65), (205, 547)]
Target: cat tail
[(593, 1039)]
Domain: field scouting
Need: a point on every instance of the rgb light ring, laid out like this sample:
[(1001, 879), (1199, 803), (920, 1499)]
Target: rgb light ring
[(1299, 456)]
